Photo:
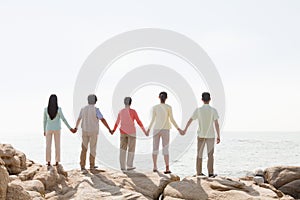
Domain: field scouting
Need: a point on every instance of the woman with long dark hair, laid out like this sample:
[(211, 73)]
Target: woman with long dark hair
[(52, 116)]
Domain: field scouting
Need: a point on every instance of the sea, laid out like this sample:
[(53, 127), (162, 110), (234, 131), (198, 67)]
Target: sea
[(238, 154)]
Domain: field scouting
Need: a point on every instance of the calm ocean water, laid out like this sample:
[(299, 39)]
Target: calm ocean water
[(237, 154)]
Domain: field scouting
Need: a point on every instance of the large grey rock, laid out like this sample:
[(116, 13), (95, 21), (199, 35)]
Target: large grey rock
[(4, 179), (258, 179), (292, 188), (281, 175)]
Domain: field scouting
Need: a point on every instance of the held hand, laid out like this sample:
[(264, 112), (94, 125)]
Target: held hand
[(73, 130), (147, 132), (180, 131), (218, 140), (111, 132), (183, 132)]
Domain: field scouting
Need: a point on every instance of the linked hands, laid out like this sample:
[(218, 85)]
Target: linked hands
[(73, 130), (147, 132), (181, 131)]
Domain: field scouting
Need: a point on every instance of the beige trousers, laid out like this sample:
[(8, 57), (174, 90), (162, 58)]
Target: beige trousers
[(210, 142), (164, 134), (56, 134), (127, 142), (88, 139)]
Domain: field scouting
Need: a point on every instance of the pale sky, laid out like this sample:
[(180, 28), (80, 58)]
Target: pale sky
[(254, 45)]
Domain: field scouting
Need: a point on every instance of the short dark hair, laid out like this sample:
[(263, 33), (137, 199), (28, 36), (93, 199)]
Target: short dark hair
[(127, 101), (163, 96), (92, 99), (205, 96)]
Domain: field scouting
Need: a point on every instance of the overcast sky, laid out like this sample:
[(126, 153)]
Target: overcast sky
[(254, 45)]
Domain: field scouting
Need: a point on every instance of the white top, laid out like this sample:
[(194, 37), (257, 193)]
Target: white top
[(162, 115), (90, 116), (206, 115)]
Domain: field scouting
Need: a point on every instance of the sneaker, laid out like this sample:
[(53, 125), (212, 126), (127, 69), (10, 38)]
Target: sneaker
[(212, 175), (84, 171), (131, 168), (199, 175)]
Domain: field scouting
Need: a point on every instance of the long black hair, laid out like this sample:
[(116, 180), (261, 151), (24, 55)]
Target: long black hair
[(52, 106)]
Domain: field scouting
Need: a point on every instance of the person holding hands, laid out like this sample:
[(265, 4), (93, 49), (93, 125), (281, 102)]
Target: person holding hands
[(207, 118), (162, 116), (90, 116), (126, 117)]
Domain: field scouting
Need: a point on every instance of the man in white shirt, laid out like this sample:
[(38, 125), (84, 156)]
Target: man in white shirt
[(207, 117), (90, 116)]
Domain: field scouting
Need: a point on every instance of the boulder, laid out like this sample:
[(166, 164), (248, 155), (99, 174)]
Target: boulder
[(259, 172), (7, 151), (90, 186), (258, 179), (35, 195), (4, 179), (281, 175), (22, 158), (219, 188), (29, 173), (292, 189), (15, 161), (17, 192), (50, 177), (1, 161), (149, 184), (33, 185), (13, 178)]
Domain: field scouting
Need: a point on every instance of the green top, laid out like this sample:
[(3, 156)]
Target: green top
[(54, 124)]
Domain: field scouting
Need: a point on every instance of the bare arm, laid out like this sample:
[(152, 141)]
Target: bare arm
[(117, 123), (105, 124), (139, 122), (45, 122), (217, 126), (172, 119), (152, 121), (187, 125), (77, 123)]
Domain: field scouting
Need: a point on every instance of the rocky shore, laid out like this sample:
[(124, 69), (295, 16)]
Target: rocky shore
[(23, 179)]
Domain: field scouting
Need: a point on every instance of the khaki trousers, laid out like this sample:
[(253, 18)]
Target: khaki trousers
[(164, 134), (127, 142), (56, 135), (88, 138), (210, 142)]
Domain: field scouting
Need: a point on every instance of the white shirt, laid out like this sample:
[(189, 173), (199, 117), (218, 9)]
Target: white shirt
[(162, 116), (206, 115), (90, 116)]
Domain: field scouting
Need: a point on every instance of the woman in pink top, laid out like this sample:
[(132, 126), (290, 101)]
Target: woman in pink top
[(128, 133)]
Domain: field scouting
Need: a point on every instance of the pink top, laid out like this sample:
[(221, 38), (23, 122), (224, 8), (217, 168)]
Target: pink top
[(127, 116)]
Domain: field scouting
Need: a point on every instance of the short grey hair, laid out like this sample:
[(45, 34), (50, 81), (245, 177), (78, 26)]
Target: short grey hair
[(92, 99)]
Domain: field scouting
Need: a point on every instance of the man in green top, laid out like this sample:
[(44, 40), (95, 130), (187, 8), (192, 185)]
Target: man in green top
[(207, 117)]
